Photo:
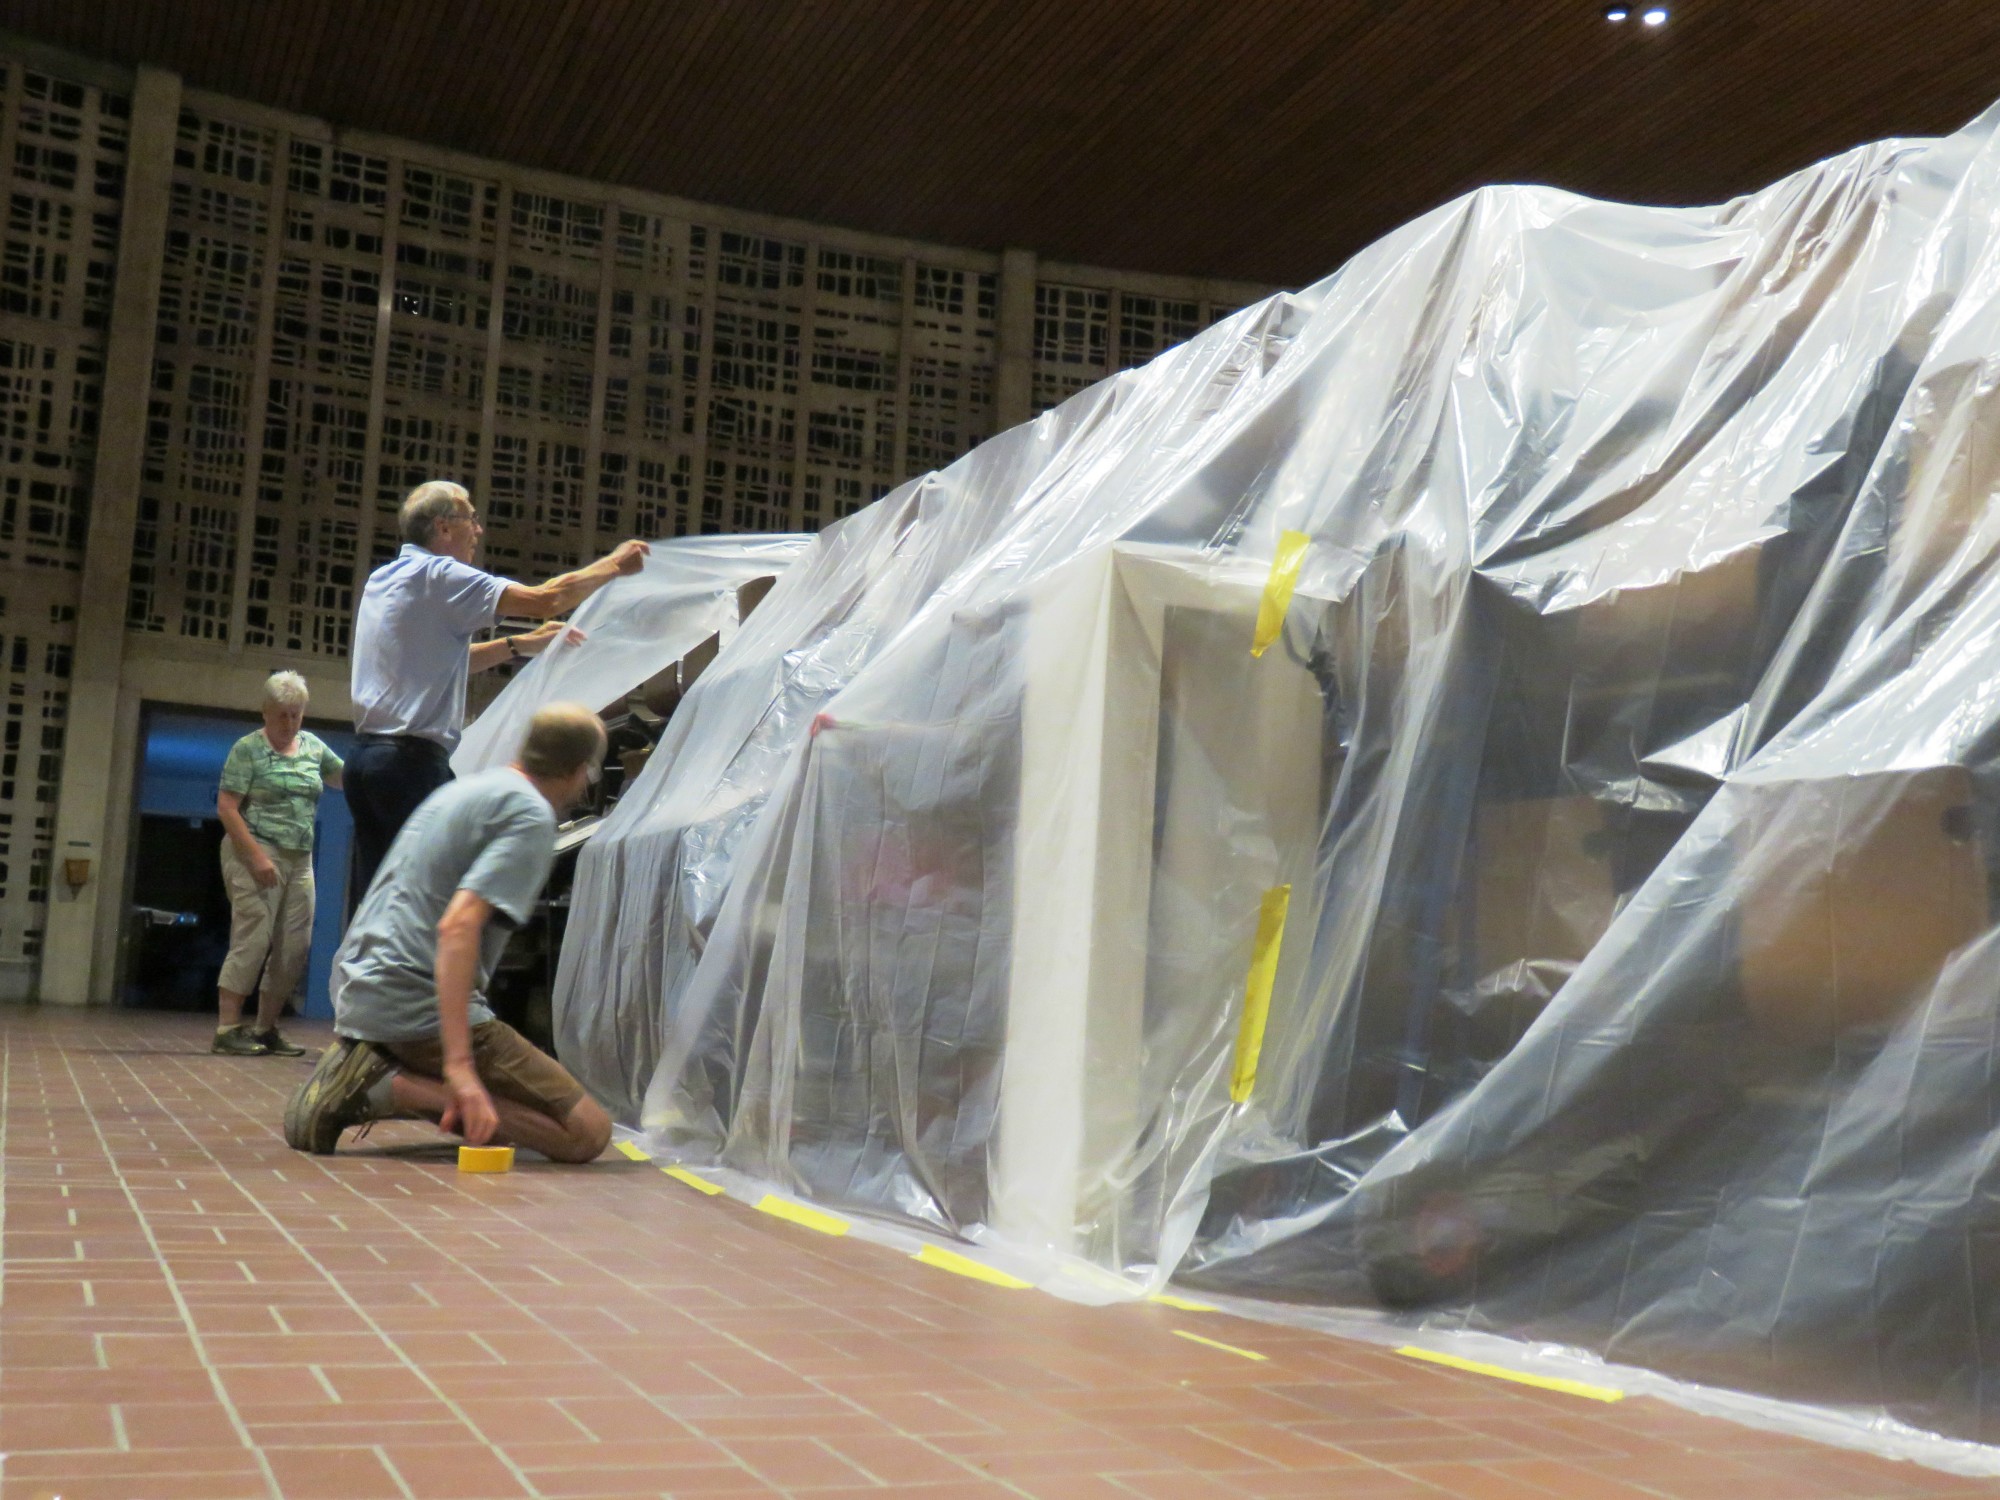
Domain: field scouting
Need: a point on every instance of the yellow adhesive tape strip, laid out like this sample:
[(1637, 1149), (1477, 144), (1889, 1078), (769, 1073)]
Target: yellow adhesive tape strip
[(798, 1213), (1257, 991), (1182, 1333), (699, 1184), (626, 1148), (1278, 589), (964, 1265), (1498, 1372), (1185, 1304)]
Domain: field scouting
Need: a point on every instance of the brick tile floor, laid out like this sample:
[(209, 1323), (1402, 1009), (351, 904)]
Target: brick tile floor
[(189, 1309)]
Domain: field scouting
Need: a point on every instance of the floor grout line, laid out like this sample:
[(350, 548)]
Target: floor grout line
[(457, 1411), (180, 1299), (537, 1259)]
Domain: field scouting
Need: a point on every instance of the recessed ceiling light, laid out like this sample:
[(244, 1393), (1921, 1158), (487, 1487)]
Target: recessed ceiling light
[(1655, 15), (1616, 12)]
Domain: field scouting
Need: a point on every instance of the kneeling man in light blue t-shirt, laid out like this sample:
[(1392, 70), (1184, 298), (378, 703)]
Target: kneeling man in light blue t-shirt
[(415, 1036)]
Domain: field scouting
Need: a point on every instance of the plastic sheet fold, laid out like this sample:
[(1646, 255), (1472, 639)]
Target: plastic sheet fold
[(1629, 744), (629, 630)]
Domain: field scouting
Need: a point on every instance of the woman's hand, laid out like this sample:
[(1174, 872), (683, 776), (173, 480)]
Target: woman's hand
[(263, 871)]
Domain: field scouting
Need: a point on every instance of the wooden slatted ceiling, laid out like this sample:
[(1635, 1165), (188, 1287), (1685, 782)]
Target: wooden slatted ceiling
[(1260, 139)]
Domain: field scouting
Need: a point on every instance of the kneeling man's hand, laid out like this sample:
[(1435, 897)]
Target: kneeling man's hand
[(471, 1113)]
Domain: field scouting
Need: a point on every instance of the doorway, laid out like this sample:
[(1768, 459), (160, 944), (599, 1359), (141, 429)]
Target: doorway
[(176, 913)]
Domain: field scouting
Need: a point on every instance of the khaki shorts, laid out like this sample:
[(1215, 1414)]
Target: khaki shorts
[(508, 1064), (270, 930)]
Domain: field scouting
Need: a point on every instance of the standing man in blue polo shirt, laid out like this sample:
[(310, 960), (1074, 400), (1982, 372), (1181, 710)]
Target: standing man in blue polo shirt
[(413, 651)]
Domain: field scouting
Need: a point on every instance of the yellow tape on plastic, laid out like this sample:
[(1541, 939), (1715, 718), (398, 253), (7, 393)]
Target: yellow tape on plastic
[(1184, 1304), (699, 1184), (1278, 589), (1257, 991), (1500, 1372), (798, 1213), (965, 1265), (628, 1149)]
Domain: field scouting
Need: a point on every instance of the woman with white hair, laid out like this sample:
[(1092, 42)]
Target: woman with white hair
[(270, 790)]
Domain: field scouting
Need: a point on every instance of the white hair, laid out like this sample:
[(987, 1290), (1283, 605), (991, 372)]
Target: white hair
[(286, 689), (429, 503)]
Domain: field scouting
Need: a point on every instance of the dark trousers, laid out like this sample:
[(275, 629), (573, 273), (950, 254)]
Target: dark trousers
[(386, 779)]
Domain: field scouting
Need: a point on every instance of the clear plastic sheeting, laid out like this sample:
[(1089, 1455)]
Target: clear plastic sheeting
[(1577, 923), (632, 628)]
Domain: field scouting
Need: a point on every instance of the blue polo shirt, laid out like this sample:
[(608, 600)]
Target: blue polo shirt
[(418, 615)]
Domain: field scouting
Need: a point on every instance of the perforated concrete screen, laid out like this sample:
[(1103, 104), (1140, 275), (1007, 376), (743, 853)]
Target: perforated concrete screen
[(62, 144), (340, 319), (647, 375)]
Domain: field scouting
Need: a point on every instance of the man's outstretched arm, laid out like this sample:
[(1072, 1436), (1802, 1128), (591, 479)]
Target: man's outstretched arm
[(560, 595)]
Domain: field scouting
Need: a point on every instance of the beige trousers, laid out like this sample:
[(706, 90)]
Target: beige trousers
[(270, 930)]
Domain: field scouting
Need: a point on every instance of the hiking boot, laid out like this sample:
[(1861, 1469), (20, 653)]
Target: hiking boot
[(237, 1041), (334, 1096), (273, 1042)]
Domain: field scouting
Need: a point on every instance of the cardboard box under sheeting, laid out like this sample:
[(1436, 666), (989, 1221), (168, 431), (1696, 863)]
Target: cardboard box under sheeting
[(1858, 889), (1544, 881)]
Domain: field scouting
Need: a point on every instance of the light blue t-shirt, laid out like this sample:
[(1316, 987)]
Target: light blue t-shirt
[(492, 834), (418, 615)]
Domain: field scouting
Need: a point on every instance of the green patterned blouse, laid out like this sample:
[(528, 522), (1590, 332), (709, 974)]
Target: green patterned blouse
[(280, 792)]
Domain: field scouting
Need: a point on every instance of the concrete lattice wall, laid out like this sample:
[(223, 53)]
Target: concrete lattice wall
[(232, 339)]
